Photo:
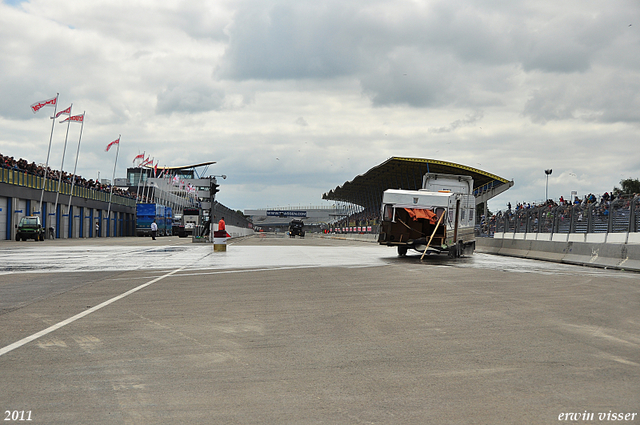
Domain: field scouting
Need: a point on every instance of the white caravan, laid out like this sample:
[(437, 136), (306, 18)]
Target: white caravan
[(438, 218)]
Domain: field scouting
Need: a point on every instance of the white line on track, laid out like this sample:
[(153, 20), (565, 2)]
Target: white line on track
[(59, 325), (201, 273)]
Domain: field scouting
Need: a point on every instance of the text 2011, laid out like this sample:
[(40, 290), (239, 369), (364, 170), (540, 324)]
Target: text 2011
[(17, 415)]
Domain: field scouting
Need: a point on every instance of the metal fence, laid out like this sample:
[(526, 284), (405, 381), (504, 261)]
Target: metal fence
[(619, 216)]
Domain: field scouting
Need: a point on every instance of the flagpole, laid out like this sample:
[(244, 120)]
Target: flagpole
[(139, 179), (144, 186), (155, 176), (112, 182), (64, 150), (75, 167), (46, 166), (148, 186)]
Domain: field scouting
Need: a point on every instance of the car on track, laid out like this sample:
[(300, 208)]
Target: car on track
[(30, 227)]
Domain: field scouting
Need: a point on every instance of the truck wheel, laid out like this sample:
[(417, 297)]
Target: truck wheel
[(17, 238), (402, 251), (455, 250)]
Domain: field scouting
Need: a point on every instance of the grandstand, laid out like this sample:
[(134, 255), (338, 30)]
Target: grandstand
[(365, 191)]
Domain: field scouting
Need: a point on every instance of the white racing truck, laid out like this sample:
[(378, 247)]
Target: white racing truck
[(439, 218)]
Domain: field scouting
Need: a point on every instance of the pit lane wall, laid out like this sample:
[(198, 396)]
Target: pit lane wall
[(237, 232), (20, 194), (607, 250), (233, 231)]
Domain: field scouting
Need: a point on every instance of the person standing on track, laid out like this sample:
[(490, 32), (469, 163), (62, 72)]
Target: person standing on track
[(221, 225), (154, 230)]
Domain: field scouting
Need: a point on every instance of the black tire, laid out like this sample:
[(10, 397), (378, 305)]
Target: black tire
[(17, 237), (402, 251), (455, 251)]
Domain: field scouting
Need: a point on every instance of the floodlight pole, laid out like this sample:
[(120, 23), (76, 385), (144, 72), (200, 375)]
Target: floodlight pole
[(546, 193)]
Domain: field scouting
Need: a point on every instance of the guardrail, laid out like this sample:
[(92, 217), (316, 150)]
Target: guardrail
[(485, 188), (22, 178), (619, 216)]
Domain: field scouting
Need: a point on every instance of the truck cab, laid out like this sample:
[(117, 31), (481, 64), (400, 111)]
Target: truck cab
[(296, 228)]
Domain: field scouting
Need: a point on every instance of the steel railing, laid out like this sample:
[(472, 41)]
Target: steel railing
[(619, 216), (24, 179)]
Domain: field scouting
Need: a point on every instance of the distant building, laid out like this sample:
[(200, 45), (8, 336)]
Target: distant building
[(280, 217), (177, 187)]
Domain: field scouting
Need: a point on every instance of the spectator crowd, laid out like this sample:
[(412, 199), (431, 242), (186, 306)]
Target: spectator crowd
[(603, 200), (38, 170)]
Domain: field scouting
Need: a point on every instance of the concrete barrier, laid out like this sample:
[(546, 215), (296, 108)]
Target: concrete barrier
[(580, 249), (617, 238), (238, 232), (491, 245), (633, 238), (513, 247), (632, 260)]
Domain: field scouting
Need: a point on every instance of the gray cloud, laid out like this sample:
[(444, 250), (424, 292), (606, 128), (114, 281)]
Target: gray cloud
[(187, 99), (549, 82), (423, 56), (470, 119), (593, 97), (280, 40), (302, 122)]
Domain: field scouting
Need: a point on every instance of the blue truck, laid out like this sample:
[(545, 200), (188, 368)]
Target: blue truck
[(145, 214), (168, 221)]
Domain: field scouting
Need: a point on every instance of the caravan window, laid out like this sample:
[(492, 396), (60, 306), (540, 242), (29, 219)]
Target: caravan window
[(387, 213)]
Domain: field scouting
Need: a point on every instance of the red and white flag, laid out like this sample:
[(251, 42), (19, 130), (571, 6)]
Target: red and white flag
[(65, 112), (39, 105), (75, 118), (139, 156), (115, 142), (155, 170)]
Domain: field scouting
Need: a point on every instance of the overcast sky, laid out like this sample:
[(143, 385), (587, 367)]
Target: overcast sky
[(292, 98)]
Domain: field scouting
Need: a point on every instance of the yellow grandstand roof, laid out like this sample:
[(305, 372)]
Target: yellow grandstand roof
[(405, 173)]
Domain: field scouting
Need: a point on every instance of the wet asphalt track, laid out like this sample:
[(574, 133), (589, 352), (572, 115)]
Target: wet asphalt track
[(276, 330)]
